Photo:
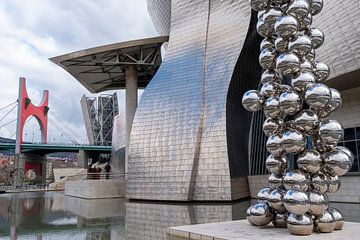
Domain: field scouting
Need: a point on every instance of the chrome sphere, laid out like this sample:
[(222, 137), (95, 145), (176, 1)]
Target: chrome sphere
[(248, 216), (306, 22), (262, 28), (271, 16), (267, 59), (335, 100), (338, 217), (263, 194), (269, 89), (280, 220), (284, 88), (272, 108), (275, 200), (325, 222), (334, 183), (317, 96), (321, 146), (260, 214), (296, 201), (306, 65), (259, 5), (286, 27), (320, 182), (299, 9), (260, 14), (301, 45), (323, 113), (317, 37), (271, 125), (347, 151), (281, 44), (275, 180), (274, 145), (303, 81), (252, 101), (267, 43), (311, 56), (293, 141), (296, 180), (307, 121), (290, 103), (316, 6), (322, 71), (288, 63), (270, 76), (275, 164), (331, 131), (310, 161), (300, 224), (319, 202), (337, 162)]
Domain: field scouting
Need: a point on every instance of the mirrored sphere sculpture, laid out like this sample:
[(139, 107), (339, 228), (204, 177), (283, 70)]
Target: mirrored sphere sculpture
[(310, 161), (320, 182), (319, 202), (276, 200), (337, 162), (338, 217), (260, 214), (280, 220), (325, 222), (296, 180), (296, 201), (252, 101), (300, 224), (275, 164), (263, 194)]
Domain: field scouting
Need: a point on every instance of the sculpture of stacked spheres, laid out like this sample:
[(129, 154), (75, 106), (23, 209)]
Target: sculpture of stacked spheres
[(297, 104)]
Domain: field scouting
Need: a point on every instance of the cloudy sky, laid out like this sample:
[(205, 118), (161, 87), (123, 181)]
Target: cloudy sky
[(33, 31)]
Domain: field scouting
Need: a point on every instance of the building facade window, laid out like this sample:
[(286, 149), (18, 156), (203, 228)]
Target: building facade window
[(352, 141)]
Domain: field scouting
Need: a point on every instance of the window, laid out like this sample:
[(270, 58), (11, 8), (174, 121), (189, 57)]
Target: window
[(352, 142)]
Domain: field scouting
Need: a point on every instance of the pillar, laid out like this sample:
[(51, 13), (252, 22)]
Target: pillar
[(83, 159), (131, 104)]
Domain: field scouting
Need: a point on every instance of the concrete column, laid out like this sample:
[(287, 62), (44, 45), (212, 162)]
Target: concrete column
[(83, 159), (131, 104)]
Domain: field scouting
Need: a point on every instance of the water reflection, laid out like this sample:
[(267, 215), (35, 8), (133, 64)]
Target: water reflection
[(55, 216)]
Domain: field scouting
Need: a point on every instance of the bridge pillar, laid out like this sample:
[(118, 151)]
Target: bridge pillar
[(35, 162), (83, 159)]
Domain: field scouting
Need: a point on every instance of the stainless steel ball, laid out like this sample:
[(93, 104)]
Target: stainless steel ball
[(260, 214), (302, 82), (299, 9), (248, 216), (275, 164), (334, 183), (286, 27), (284, 88), (259, 5), (263, 29), (269, 89), (272, 107), (280, 220), (300, 224), (320, 182), (337, 162), (288, 63), (290, 102), (306, 65), (267, 43), (310, 161), (335, 100), (252, 101), (281, 44), (274, 145), (338, 217), (311, 56), (260, 14), (347, 151), (322, 71), (325, 223), (271, 125), (306, 22), (295, 179), (263, 194), (267, 58), (296, 201), (307, 121), (293, 141), (271, 16), (319, 202), (321, 146), (270, 76), (275, 180), (316, 6), (301, 45), (317, 96), (276, 200), (331, 131), (317, 37)]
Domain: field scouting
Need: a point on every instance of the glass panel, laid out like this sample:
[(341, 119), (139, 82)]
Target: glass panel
[(349, 134), (358, 133), (352, 146)]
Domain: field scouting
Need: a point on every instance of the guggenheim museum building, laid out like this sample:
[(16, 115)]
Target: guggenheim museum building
[(189, 138)]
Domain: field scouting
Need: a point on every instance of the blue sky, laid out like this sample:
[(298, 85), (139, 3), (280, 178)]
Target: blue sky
[(33, 31)]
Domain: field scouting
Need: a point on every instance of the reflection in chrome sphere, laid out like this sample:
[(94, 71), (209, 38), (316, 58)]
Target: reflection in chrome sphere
[(347, 151), (331, 131), (259, 5), (316, 6), (263, 194), (317, 96), (296, 180), (311, 56), (260, 214), (280, 220), (317, 37), (306, 66), (290, 103), (320, 182), (266, 44), (288, 63), (275, 180), (325, 223), (296, 201), (338, 217), (307, 121), (286, 27), (303, 81), (275, 200), (300, 224), (334, 183), (248, 216), (310, 161), (272, 108), (293, 141), (271, 125), (267, 59), (271, 16), (299, 9), (260, 14), (306, 22), (252, 101), (262, 28), (274, 145), (322, 71), (270, 76), (301, 45), (269, 89), (275, 164), (284, 88), (281, 44), (335, 100), (321, 146), (319, 202), (337, 162)]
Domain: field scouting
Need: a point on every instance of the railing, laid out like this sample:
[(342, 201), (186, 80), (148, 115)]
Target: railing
[(95, 176)]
